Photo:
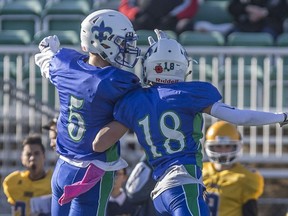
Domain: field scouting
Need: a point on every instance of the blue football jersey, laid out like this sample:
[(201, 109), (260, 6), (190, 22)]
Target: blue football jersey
[(167, 120), (87, 97)]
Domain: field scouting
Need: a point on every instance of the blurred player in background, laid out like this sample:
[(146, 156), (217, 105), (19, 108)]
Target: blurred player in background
[(167, 119), (33, 182), (119, 204), (232, 188), (51, 126), (88, 87), (139, 186)]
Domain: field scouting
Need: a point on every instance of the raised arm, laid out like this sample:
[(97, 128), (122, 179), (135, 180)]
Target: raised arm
[(48, 47)]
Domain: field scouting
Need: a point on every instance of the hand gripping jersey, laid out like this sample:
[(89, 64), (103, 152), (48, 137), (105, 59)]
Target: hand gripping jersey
[(229, 190), (19, 190), (87, 96), (168, 122)]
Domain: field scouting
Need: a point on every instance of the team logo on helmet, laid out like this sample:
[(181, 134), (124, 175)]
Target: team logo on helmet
[(158, 68), (103, 32)]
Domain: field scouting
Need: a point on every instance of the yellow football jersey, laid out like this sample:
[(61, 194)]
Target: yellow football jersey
[(19, 189), (228, 190)]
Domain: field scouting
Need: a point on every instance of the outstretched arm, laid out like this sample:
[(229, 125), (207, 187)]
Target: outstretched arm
[(245, 116), (108, 135)]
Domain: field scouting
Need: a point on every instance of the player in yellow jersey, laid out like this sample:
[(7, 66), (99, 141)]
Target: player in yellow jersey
[(25, 189), (232, 188)]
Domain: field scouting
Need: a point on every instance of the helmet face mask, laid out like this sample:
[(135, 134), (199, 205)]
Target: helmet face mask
[(223, 143), (165, 61), (128, 51), (110, 34), (223, 153)]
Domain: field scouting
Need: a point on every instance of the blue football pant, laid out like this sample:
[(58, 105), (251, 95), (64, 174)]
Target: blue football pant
[(182, 200), (93, 202)]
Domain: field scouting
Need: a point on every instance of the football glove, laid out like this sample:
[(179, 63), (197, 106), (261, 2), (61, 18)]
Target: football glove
[(49, 43), (285, 120)]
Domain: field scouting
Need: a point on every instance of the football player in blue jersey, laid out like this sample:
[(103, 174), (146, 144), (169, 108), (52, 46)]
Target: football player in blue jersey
[(88, 88), (167, 119)]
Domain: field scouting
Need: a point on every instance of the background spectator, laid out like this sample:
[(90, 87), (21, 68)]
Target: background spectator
[(258, 15), (52, 128), (232, 188), (33, 182), (161, 14)]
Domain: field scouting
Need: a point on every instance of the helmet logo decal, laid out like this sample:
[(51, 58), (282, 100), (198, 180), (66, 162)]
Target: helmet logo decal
[(167, 67), (103, 32), (158, 68)]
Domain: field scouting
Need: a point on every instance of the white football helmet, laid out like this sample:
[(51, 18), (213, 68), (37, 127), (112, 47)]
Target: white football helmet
[(165, 61), (110, 34), (223, 143)]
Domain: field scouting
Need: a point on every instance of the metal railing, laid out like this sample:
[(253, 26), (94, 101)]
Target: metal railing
[(254, 78)]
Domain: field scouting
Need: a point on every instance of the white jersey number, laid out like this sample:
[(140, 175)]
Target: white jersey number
[(76, 132), (168, 132)]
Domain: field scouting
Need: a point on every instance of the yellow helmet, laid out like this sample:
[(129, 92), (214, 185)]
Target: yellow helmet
[(219, 135)]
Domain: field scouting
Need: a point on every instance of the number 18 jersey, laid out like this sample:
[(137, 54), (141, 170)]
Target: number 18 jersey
[(167, 120)]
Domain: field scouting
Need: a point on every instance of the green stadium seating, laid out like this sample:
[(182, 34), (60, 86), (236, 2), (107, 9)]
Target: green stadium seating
[(64, 15), (213, 11), (250, 39), (144, 34), (21, 15), (22, 7), (67, 7), (65, 37), (193, 38), (14, 37), (244, 39), (282, 40), (104, 4), (42, 2)]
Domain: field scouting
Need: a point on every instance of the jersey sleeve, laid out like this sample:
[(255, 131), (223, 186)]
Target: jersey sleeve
[(121, 83), (9, 185), (123, 109), (194, 96), (59, 63), (108, 82)]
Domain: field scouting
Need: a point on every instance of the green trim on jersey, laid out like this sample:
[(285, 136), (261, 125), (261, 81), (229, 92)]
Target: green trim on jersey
[(197, 136), (106, 186)]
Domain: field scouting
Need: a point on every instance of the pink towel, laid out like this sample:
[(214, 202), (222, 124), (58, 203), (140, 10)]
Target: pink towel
[(92, 176)]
